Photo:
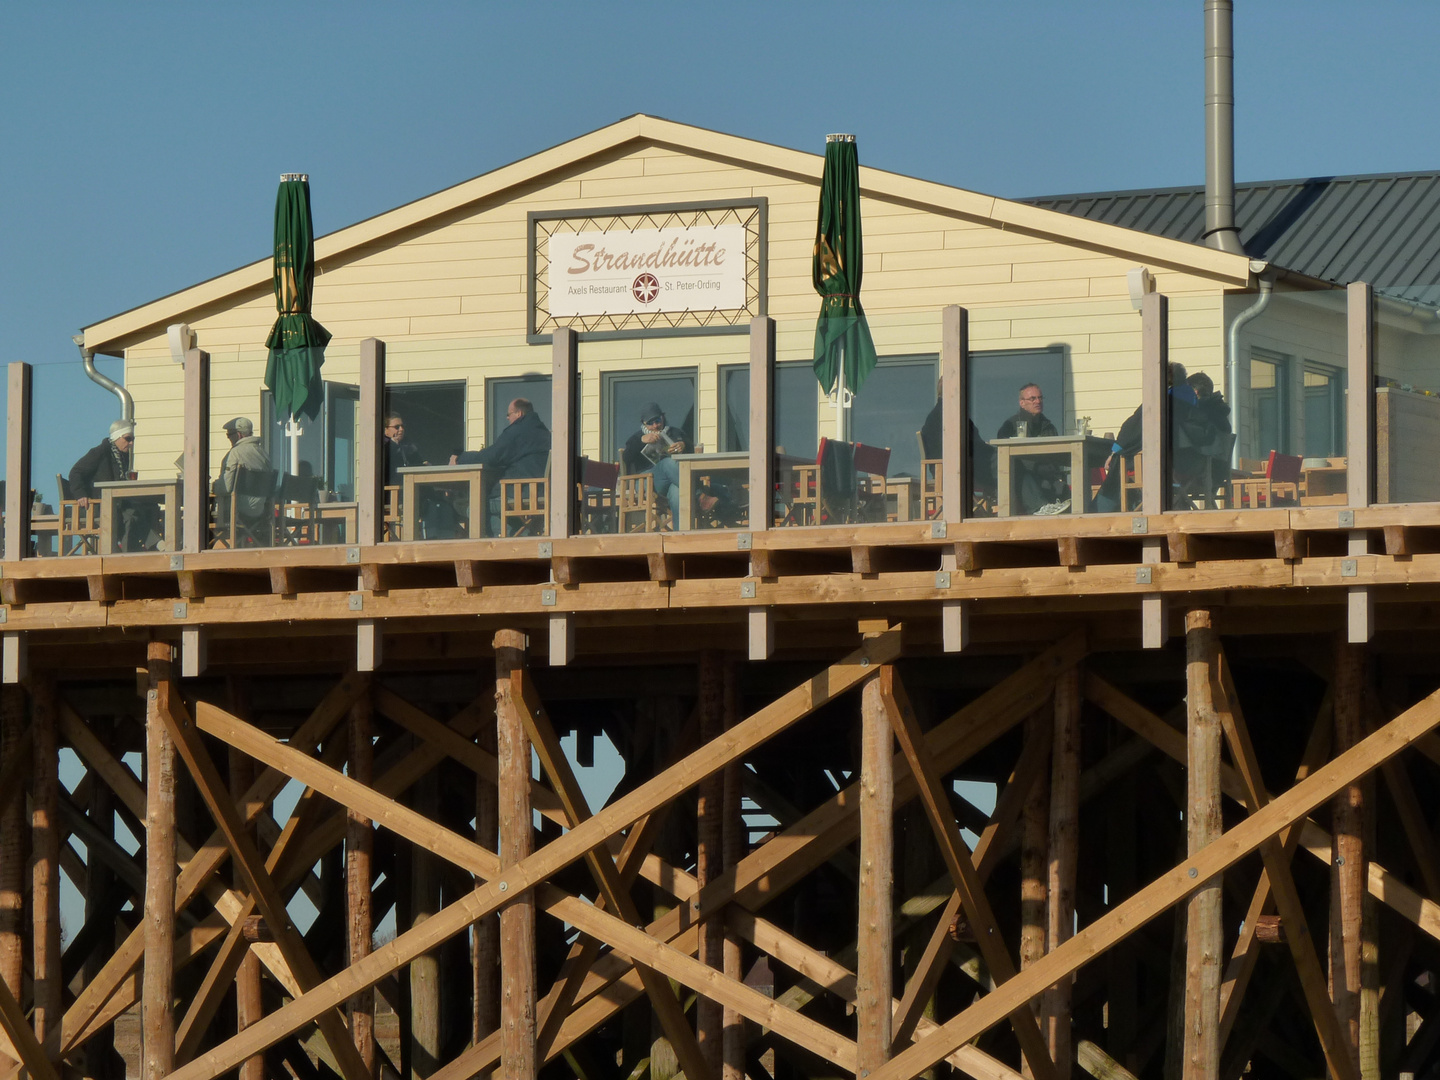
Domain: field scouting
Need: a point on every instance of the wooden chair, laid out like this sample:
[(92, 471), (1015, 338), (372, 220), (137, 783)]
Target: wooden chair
[(390, 499), (525, 501), (833, 492), (1278, 485), (930, 501), (237, 531), (1130, 482), (635, 501), (596, 495), (78, 527), (297, 519)]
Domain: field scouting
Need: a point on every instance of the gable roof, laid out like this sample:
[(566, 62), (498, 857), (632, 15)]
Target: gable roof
[(114, 333), (1382, 228)]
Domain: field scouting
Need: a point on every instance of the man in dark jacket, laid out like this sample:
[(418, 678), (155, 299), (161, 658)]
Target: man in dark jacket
[(398, 453), (522, 450), (136, 520), (1039, 482)]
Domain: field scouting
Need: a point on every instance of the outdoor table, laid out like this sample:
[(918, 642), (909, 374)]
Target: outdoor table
[(1082, 450), (693, 466), (413, 478), (166, 492)]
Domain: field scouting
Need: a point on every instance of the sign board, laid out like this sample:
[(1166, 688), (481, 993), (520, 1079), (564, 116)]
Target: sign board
[(700, 268)]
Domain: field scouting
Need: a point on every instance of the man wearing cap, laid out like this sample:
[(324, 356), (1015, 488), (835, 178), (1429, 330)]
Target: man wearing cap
[(136, 522), (245, 453), (650, 450)]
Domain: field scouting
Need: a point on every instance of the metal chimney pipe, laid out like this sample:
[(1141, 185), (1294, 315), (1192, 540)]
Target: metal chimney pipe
[(1220, 231)]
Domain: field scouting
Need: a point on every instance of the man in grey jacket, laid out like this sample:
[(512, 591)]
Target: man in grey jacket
[(245, 452)]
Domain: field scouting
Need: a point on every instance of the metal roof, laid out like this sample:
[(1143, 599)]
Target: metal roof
[(1382, 228)]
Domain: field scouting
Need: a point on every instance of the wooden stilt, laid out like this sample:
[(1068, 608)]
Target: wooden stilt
[(485, 934), (1034, 860), (734, 841), (425, 969), (1063, 862), (517, 917), (710, 828), (45, 873), (1204, 937), (249, 1007), (157, 1016), (359, 850), (875, 939), (1348, 870), (101, 1062), (12, 844)]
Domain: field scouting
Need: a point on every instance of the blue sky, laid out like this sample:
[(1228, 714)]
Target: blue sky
[(143, 142)]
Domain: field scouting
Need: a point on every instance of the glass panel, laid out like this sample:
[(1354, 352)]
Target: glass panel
[(1054, 389), (1407, 398), (1289, 418), (795, 411)]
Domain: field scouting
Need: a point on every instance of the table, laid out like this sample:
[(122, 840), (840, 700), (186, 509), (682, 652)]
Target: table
[(1082, 450), (1324, 485), (415, 477), (693, 466), (165, 492)]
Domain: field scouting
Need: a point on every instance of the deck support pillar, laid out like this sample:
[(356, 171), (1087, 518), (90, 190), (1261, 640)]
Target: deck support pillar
[(249, 1005), (517, 917), (13, 857), (734, 842), (709, 863), (1034, 858), (157, 1018), (1204, 937), (45, 882), (359, 852), (1064, 861), (874, 991), (485, 934)]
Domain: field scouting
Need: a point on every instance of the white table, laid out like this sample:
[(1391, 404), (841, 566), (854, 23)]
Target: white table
[(166, 492)]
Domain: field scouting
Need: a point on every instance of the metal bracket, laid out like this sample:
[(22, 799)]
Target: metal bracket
[(1347, 519), (744, 541), (177, 562), (181, 610), (1349, 568), (747, 590), (1140, 526), (545, 549), (547, 597), (942, 579), (4, 615), (357, 601), (352, 556), (1144, 575), (937, 530)]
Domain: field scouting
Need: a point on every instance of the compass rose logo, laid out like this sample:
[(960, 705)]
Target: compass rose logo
[(646, 288)]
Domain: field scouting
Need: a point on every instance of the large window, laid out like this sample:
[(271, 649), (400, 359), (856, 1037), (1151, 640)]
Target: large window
[(1324, 411), (532, 386), (434, 415), (1268, 398), (624, 394), (891, 407), (1299, 406), (795, 399)]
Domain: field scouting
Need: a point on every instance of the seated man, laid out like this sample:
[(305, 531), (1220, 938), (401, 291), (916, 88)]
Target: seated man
[(247, 453), (522, 450), (1040, 484), (137, 528), (652, 450)]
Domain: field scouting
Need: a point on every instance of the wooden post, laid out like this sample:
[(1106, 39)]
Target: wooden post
[(1348, 870), (517, 917), (249, 1004), (369, 430), (733, 1037), (1155, 413), (1204, 937), (956, 475), (710, 830), (485, 934), (100, 1059), (359, 849), (1064, 860), (17, 464), (874, 966), (1360, 398), (425, 1004), (762, 421), (564, 381), (1034, 863), (195, 496), (12, 847), (157, 1017), (45, 880)]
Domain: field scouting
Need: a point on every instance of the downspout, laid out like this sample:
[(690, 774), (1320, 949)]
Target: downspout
[(127, 403), (1220, 231), (1232, 348)]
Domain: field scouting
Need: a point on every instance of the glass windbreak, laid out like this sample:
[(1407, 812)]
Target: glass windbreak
[(860, 460), (1054, 410), (1270, 430), (466, 439), (1407, 395)]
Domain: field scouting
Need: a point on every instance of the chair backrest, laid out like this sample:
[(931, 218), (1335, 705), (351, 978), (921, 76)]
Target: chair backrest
[(299, 489), (1283, 468), (62, 487), (255, 483), (598, 474), (874, 460)]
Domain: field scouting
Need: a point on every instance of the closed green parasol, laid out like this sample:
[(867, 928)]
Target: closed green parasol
[(844, 351), (296, 342)]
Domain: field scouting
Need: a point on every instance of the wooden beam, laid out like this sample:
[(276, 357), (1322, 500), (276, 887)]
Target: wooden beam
[(485, 934), (955, 464), (157, 1003), (1348, 871), (1169, 888), (875, 940), (195, 482), (1064, 861), (18, 503), (369, 430), (1360, 401), (564, 439), (1155, 415), (763, 725), (709, 858), (22, 1038), (517, 917), (359, 851), (735, 842), (762, 421), (45, 830), (1204, 932), (1034, 855), (15, 756), (895, 704)]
